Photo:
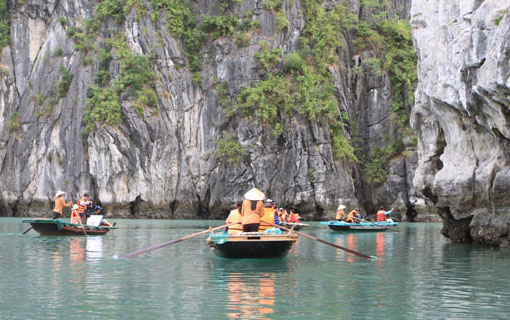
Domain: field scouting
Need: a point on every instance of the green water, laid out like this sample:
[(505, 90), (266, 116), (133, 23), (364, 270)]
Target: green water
[(418, 275)]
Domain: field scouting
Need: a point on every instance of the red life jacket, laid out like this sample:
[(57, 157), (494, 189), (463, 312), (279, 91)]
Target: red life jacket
[(381, 216)]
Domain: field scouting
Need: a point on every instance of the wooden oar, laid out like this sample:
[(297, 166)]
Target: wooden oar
[(81, 224), (164, 244), (27, 230), (359, 254)]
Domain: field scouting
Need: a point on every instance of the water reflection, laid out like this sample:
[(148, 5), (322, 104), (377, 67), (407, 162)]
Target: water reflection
[(251, 286), (250, 300)]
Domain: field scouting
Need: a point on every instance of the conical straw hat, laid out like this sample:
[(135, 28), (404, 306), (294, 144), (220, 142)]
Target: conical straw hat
[(59, 193), (254, 194), (340, 207)]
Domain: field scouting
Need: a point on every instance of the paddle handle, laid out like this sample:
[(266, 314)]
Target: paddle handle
[(359, 254), (164, 244)]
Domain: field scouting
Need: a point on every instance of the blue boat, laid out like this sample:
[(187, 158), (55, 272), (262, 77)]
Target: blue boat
[(337, 225)]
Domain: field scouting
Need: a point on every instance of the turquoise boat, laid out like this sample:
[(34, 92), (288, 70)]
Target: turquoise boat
[(368, 226), (57, 227)]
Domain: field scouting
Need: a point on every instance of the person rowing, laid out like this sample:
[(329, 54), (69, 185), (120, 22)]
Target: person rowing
[(252, 210), (353, 215), (60, 203)]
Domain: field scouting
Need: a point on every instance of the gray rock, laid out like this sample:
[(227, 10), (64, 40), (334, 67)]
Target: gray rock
[(461, 115)]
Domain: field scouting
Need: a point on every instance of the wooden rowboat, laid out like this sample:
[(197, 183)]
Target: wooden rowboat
[(297, 226), (360, 226), (256, 245), (49, 227)]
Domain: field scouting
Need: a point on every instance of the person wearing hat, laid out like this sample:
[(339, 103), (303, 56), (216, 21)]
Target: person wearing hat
[(60, 203), (99, 211), (340, 214), (252, 210), (83, 205)]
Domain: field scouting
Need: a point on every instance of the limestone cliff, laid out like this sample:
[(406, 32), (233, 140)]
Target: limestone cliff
[(462, 115), (145, 105)]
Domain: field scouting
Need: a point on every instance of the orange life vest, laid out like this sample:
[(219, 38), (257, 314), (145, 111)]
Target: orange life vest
[(381, 216), (234, 217), (267, 220), (351, 216)]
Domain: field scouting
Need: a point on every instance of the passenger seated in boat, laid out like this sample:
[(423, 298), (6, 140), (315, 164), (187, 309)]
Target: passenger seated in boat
[(293, 217), (235, 217), (381, 214), (252, 210), (75, 216), (352, 217), (99, 211), (83, 205), (283, 215), (267, 220), (340, 214)]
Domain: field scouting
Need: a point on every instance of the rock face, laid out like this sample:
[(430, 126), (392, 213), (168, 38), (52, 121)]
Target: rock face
[(462, 115), (162, 164)]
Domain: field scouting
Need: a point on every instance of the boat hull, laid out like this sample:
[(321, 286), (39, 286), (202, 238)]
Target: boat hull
[(253, 246), (47, 227), (360, 227)]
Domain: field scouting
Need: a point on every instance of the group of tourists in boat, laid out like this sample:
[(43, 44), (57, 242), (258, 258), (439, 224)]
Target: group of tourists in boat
[(253, 215), (356, 221), (253, 229), (80, 211), (79, 223)]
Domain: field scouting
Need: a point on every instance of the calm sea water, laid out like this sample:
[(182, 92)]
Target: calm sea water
[(418, 275)]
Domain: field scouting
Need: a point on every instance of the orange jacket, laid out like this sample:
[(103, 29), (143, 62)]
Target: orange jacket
[(353, 214), (267, 220), (381, 216), (60, 203), (234, 217), (249, 215)]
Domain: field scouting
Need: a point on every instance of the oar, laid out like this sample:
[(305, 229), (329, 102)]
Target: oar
[(81, 224), (164, 244), (359, 254), (27, 230)]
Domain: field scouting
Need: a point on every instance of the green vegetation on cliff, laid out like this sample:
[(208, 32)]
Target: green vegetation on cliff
[(135, 79), (389, 41), (300, 81), (5, 23)]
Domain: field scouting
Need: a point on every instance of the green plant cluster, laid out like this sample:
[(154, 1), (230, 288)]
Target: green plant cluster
[(135, 79), (64, 83), (276, 6), (500, 16), (5, 23), (14, 121), (268, 59), (376, 168), (266, 99), (229, 149)]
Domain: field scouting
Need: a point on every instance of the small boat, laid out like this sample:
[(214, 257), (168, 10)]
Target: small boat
[(256, 245), (360, 226), (297, 226), (49, 227)]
